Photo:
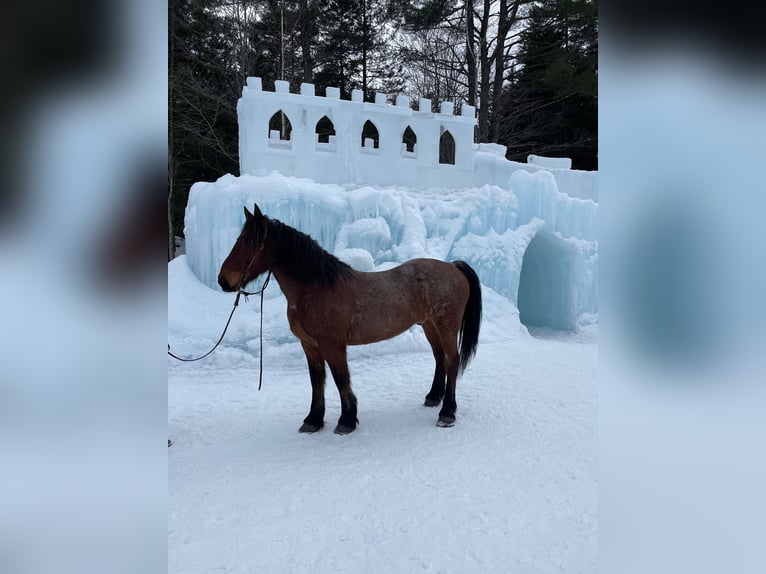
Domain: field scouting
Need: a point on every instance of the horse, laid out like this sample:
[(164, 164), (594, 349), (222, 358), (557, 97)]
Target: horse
[(331, 305)]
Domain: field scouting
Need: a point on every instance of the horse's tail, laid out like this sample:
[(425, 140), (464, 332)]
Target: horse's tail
[(469, 329)]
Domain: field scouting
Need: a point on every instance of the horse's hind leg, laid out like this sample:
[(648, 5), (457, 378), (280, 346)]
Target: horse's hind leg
[(315, 419), (435, 395), (449, 405), (336, 358)]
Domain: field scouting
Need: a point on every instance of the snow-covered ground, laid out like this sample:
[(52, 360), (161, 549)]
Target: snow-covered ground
[(511, 488)]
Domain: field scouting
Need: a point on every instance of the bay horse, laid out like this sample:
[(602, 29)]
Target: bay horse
[(330, 306)]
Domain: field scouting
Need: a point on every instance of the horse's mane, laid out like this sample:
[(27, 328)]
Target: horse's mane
[(301, 257)]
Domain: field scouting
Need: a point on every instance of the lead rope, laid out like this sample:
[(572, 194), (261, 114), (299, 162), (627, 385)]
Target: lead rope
[(240, 291), (260, 335)]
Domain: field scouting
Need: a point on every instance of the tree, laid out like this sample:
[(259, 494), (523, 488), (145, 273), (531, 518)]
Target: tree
[(463, 50), (203, 87), (351, 47), (552, 98), (430, 56), (339, 49)]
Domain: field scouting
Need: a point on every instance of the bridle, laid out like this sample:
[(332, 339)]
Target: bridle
[(243, 277), (241, 291)]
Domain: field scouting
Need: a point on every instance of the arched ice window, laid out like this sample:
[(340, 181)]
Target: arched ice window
[(280, 128), (325, 131), (409, 140), (447, 148), (370, 138)]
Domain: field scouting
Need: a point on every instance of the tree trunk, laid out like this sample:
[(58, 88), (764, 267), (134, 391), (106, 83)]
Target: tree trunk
[(470, 52), (306, 38), (485, 65), (365, 35), (171, 151), (171, 234), (503, 27)]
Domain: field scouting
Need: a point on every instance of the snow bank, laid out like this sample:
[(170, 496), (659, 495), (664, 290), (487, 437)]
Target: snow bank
[(376, 228)]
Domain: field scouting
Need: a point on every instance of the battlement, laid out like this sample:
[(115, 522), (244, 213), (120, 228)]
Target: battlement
[(332, 140)]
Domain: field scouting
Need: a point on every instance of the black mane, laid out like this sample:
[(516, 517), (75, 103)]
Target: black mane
[(301, 257)]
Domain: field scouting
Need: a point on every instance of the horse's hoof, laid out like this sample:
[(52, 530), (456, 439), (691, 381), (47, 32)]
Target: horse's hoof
[(343, 429), (309, 428), (170, 442), (431, 402), (445, 421)]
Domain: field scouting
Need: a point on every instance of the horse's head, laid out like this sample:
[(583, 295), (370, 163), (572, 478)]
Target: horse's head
[(251, 254)]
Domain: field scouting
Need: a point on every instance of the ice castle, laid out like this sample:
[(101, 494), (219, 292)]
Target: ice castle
[(378, 183)]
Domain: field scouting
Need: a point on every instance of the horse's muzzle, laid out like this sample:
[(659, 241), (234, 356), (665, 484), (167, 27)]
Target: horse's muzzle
[(224, 283)]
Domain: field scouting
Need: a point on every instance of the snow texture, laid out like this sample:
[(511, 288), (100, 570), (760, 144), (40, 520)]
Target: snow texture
[(511, 488)]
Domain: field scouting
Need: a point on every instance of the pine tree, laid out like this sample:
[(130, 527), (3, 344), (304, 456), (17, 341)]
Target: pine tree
[(552, 99), (351, 48)]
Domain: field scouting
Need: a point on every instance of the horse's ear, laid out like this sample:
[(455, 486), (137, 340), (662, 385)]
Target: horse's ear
[(248, 215), (257, 212)]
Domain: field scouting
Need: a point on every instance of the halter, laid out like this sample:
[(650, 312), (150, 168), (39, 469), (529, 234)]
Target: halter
[(242, 282), (241, 291)]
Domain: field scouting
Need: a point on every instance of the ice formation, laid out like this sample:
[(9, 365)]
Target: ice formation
[(529, 230)]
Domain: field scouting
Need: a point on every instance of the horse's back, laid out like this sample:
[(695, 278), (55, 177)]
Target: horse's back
[(418, 274), (386, 303), (420, 266)]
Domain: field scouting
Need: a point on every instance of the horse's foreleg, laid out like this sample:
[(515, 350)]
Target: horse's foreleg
[(435, 395), (315, 419), (336, 358), (449, 405)]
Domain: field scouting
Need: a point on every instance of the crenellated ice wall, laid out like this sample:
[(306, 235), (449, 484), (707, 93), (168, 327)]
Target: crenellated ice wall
[(345, 158)]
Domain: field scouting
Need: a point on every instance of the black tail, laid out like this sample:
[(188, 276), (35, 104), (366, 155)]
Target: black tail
[(469, 330)]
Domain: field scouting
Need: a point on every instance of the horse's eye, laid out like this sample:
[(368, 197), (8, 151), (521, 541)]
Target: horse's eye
[(248, 241)]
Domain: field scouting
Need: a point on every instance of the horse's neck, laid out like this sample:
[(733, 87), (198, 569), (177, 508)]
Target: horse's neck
[(290, 286)]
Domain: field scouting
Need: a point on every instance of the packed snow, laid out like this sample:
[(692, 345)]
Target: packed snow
[(511, 488)]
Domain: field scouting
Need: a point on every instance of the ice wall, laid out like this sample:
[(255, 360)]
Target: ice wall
[(374, 228), (345, 158), (550, 162), (491, 167)]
